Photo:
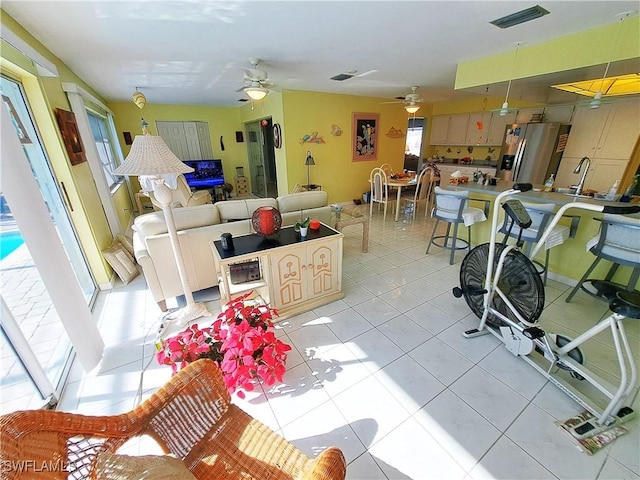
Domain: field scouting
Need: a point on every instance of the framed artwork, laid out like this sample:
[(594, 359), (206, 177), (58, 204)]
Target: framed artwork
[(70, 136), (365, 135), (15, 120)]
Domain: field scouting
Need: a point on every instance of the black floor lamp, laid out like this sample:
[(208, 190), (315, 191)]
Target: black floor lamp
[(308, 162)]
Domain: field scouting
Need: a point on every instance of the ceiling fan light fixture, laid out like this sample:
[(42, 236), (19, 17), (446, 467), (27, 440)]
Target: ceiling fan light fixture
[(412, 108), (256, 93)]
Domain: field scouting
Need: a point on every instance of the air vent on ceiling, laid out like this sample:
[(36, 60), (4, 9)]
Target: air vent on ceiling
[(341, 77), (243, 99), (522, 16)]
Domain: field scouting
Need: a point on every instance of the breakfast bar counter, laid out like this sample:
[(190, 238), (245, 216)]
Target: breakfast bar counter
[(568, 261)]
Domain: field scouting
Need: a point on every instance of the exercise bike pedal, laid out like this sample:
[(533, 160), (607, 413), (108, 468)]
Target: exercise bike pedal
[(533, 332), (474, 332)]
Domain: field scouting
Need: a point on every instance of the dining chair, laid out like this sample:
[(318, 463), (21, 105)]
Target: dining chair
[(540, 214), (618, 242), (387, 169), (452, 206), (379, 191), (423, 192)]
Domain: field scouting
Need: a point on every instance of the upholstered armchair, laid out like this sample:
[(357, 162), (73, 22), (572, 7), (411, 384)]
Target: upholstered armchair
[(183, 196), (191, 417)]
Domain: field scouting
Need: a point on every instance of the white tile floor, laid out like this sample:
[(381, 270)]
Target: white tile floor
[(386, 375)]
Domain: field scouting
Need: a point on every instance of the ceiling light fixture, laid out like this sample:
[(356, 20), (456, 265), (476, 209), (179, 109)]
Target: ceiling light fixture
[(505, 106), (522, 16), (256, 93), (412, 108), (597, 98), (139, 99)]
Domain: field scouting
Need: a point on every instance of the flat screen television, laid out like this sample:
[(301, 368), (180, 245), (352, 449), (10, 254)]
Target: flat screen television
[(206, 174)]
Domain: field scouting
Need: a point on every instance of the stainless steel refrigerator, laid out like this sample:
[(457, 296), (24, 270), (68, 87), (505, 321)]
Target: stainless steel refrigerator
[(532, 151)]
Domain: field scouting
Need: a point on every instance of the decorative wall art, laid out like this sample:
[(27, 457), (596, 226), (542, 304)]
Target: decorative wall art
[(395, 133), (15, 120), (313, 138), (277, 135), (365, 136), (336, 131), (70, 136)]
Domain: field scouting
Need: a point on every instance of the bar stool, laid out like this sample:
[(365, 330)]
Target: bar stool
[(619, 243), (541, 214), (452, 207)]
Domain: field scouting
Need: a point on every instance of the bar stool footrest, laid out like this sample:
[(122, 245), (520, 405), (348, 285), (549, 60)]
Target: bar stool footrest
[(604, 289)]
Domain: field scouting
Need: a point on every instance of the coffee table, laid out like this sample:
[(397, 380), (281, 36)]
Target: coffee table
[(347, 215)]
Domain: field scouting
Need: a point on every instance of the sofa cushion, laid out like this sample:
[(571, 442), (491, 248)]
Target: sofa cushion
[(302, 201), (185, 218), (111, 466), (233, 210)]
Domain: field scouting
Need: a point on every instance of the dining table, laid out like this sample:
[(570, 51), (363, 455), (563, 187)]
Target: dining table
[(399, 184)]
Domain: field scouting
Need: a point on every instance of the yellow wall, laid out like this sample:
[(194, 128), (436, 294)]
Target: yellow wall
[(617, 41), (44, 95)]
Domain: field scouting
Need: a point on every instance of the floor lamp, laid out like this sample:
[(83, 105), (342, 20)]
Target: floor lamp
[(308, 162), (149, 155)]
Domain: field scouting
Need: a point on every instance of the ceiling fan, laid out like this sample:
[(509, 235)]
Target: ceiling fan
[(256, 82), (411, 101)]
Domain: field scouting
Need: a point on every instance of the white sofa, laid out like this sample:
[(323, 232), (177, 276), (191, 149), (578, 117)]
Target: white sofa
[(197, 227)]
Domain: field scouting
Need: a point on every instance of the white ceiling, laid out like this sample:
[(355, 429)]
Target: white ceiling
[(194, 51)]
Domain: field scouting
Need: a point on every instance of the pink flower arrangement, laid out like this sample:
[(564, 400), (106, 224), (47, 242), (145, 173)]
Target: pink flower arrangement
[(241, 341)]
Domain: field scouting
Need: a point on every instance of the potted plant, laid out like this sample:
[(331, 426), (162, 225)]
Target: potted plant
[(302, 226), (241, 341)]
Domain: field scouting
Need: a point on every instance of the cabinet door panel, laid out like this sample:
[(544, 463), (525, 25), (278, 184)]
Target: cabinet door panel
[(478, 128), (499, 126), (524, 115), (322, 271), (458, 129), (288, 275), (439, 130), (621, 131), (586, 129)]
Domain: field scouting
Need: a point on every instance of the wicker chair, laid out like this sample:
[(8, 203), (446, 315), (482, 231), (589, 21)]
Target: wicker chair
[(191, 417)]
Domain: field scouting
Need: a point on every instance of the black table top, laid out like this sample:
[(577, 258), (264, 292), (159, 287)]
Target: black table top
[(252, 243)]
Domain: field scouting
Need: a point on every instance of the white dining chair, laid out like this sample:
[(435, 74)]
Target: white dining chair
[(423, 192), (379, 191)]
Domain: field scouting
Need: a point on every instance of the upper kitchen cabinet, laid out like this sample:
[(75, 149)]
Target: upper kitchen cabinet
[(610, 131), (458, 129), (478, 128), (498, 127), (439, 130), (558, 113), (526, 114)]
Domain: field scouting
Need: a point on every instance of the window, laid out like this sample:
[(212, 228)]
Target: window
[(104, 146)]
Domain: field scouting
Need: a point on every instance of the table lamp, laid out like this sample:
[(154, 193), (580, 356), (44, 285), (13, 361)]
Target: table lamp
[(150, 155)]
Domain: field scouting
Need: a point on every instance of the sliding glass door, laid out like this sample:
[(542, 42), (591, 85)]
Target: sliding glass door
[(36, 350)]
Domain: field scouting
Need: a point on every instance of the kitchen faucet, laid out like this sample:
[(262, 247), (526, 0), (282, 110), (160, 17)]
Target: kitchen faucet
[(584, 175)]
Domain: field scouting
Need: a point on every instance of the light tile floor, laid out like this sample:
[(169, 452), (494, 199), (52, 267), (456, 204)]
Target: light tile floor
[(386, 375)]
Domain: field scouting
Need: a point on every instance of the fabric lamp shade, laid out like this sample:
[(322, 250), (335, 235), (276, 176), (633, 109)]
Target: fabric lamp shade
[(150, 155)]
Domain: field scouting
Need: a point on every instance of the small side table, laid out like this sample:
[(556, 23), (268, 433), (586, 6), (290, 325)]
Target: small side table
[(141, 197), (351, 215), (310, 188)]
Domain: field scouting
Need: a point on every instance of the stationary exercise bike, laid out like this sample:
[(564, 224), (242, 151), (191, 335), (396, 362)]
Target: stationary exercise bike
[(503, 288)]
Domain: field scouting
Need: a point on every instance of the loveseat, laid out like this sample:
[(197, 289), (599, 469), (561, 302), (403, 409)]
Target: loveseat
[(198, 226)]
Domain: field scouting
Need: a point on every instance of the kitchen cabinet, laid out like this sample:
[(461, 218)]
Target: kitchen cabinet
[(293, 276), (524, 115), (607, 135), (304, 273), (601, 176), (610, 131), (458, 125), (439, 130), (478, 128), (558, 113), (498, 127)]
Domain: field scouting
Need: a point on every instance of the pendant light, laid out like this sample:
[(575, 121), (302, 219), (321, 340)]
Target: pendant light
[(597, 98), (505, 106), (139, 99)]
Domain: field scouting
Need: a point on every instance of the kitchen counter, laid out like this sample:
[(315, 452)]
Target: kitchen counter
[(475, 163), (567, 262)]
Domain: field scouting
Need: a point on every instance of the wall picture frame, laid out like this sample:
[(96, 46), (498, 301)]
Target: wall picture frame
[(364, 133), (71, 136)]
